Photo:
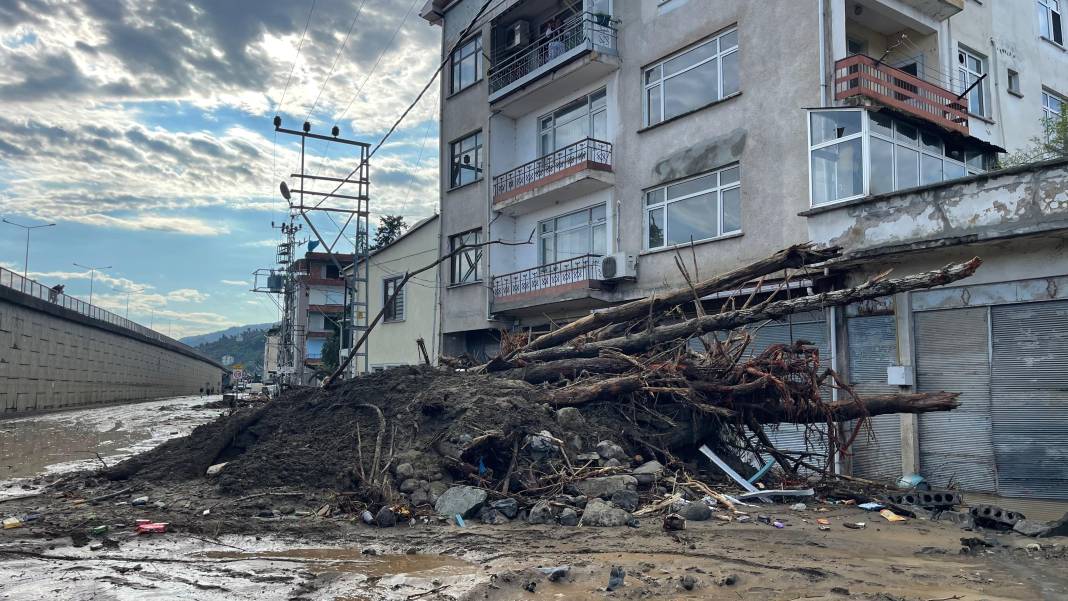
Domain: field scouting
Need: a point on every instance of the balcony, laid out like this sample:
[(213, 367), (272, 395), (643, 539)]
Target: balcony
[(572, 282), (573, 171), (939, 10), (860, 76), (580, 53)]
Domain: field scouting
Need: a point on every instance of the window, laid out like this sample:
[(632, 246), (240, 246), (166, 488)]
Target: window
[(1052, 109), (1014, 83), (699, 208), (395, 309), (692, 78), (466, 160), (837, 155), (464, 265), (584, 118), (332, 272), (573, 235), (467, 64), (854, 46), (970, 70), (1049, 20)]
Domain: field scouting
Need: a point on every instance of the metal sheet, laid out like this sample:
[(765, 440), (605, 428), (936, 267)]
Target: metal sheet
[(952, 354), (1030, 399), (872, 348)]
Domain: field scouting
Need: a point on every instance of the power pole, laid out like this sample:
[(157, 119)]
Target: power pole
[(283, 279)]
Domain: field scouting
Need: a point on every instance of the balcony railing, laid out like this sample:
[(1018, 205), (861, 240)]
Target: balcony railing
[(861, 75), (584, 29), (543, 277), (12, 280), (595, 153)]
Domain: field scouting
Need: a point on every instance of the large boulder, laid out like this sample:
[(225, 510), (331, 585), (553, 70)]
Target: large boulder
[(541, 513), (627, 500), (605, 486), (602, 513), (404, 471), (695, 512), (570, 419), (462, 500), (569, 517), (648, 472)]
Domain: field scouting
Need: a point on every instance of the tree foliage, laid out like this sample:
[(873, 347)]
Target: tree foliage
[(390, 227), (330, 352), (1052, 144)]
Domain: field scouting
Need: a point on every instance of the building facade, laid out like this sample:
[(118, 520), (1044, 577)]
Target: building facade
[(600, 138), (320, 306)]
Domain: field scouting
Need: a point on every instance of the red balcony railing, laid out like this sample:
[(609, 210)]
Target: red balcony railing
[(584, 154), (860, 75), (551, 275)]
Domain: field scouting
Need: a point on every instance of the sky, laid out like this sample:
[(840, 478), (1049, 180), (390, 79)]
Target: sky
[(142, 129)]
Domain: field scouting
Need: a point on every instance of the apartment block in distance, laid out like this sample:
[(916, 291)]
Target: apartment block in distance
[(320, 306)]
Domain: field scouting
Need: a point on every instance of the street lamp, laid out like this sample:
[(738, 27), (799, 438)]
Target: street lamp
[(92, 276), (26, 259), (128, 293)]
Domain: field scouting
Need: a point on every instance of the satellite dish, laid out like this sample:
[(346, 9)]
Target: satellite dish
[(285, 190)]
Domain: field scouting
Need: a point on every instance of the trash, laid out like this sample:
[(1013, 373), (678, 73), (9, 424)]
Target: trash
[(778, 524), (1034, 547), (823, 521), (615, 577), (12, 522), (459, 520), (150, 527), (992, 516), (742, 519), (890, 516), (806, 492), (761, 472), (508, 507), (764, 519), (96, 546), (99, 531), (215, 469), (674, 521), (799, 507), (139, 501), (913, 482), (941, 499), (856, 525), (723, 517), (367, 517), (823, 527), (872, 506), (733, 474), (556, 573)]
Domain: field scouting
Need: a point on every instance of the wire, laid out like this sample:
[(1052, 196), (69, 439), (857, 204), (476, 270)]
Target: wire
[(333, 65), (294, 67)]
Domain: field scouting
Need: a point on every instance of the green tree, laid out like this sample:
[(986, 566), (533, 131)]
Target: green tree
[(390, 227), (330, 352), (1052, 144)]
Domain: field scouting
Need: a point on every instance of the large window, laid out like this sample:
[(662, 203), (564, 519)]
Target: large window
[(1052, 109), (573, 235), (1049, 20), (467, 64), (856, 153), (692, 78), (464, 265), (466, 160), (699, 208), (970, 70), (587, 117), (395, 309)]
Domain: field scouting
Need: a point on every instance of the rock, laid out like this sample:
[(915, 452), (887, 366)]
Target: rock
[(409, 486), (386, 518), (627, 500), (159, 505), (648, 472), (579, 501), (215, 469), (727, 580), (1033, 528), (613, 462), (541, 513), (139, 501), (839, 590), (542, 443), (587, 457), (491, 516), (615, 577), (1058, 527), (570, 419), (462, 500), (610, 450), (799, 507), (508, 507), (687, 581), (674, 521), (404, 471), (696, 512), (575, 442), (437, 489), (605, 486), (419, 497), (569, 517), (601, 513), (556, 573), (1034, 547)]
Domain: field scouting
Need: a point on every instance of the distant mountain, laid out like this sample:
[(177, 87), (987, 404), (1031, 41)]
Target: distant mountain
[(213, 336)]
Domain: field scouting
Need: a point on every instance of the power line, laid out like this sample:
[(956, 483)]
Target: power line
[(333, 65), (294, 67)]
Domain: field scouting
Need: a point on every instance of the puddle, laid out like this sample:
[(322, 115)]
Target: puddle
[(354, 561)]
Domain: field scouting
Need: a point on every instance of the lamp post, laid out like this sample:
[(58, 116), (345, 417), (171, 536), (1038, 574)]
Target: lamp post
[(130, 291), (92, 276), (26, 258)]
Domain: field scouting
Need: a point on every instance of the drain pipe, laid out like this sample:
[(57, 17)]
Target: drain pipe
[(824, 96)]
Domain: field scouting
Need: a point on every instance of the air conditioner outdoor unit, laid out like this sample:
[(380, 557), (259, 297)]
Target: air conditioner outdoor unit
[(518, 35), (618, 266)]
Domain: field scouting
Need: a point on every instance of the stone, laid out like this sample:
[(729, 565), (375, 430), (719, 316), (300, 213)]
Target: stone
[(159, 505), (570, 419), (541, 513), (437, 489), (569, 517), (215, 469), (627, 500), (508, 507), (587, 457), (648, 472), (603, 514), (556, 573), (727, 580), (462, 500), (139, 501), (386, 518), (799, 507), (610, 450), (409, 485), (687, 581), (542, 443), (575, 442), (1058, 527), (419, 497), (605, 486), (404, 471), (1033, 528), (613, 462), (491, 516), (674, 521), (695, 512)]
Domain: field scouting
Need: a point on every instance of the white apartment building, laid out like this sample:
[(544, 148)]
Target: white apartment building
[(611, 134)]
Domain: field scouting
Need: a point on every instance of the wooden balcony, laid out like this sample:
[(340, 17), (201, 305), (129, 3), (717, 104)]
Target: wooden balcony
[(863, 76)]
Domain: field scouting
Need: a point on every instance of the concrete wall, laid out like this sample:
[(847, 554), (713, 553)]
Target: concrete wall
[(52, 358)]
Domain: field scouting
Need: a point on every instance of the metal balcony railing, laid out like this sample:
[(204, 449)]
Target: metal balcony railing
[(551, 275), (10, 279), (860, 75), (595, 152), (583, 29)]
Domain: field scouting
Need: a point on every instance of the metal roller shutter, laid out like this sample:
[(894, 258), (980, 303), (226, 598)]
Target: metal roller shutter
[(952, 354), (872, 348), (1030, 399)]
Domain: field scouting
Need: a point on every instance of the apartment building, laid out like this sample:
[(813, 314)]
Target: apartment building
[(611, 135), (320, 306)]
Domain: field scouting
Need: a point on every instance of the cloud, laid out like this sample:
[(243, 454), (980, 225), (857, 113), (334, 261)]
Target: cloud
[(187, 295), (235, 283)]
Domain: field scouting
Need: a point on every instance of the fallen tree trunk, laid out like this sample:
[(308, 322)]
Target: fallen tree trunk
[(731, 319), (843, 411), (793, 257), (554, 371)]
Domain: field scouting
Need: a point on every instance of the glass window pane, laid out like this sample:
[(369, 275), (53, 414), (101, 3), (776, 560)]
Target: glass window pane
[(728, 176), (655, 235), (653, 197), (830, 125), (730, 74), (837, 171), (728, 41), (931, 143), (571, 132), (600, 240), (908, 168), (906, 133), (598, 100), (652, 100), (653, 74), (546, 122), (548, 250), (572, 220), (573, 243), (930, 169), (695, 218), (571, 111), (882, 166), (692, 89), (692, 186), (951, 170), (690, 58), (881, 124), (732, 210), (600, 126), (597, 213)]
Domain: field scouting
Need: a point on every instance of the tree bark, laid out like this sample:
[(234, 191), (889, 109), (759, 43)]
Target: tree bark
[(843, 411), (554, 371)]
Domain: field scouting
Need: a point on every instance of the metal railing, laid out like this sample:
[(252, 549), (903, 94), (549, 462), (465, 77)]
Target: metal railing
[(581, 29), (588, 150), (861, 75), (560, 273), (10, 279)]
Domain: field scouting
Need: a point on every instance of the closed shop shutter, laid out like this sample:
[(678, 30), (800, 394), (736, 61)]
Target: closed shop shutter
[(1030, 399), (952, 354), (872, 348)]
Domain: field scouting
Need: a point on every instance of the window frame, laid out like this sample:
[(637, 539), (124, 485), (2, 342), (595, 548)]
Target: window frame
[(589, 115), (392, 315), (590, 225), (662, 79), (1050, 19), (966, 81), (1048, 114), (719, 188), (1012, 77), (454, 261), (461, 53), (454, 157)]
